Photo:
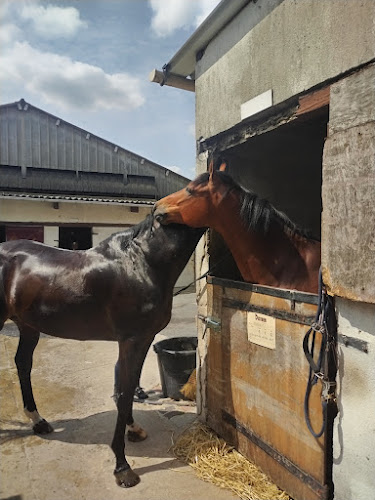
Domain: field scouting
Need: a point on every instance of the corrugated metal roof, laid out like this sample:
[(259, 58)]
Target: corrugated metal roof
[(83, 183), (55, 156)]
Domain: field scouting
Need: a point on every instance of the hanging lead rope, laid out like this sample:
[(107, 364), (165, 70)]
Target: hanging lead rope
[(190, 284), (320, 370), (212, 268)]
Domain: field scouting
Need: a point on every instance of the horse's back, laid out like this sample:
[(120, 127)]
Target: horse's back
[(76, 294), (32, 273), (10, 249)]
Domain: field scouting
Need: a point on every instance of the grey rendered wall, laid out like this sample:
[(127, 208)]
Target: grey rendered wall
[(295, 45), (354, 427)]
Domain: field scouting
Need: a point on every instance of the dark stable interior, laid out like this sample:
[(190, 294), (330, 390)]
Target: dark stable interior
[(285, 167)]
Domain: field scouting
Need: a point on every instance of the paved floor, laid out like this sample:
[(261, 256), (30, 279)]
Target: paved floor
[(73, 383)]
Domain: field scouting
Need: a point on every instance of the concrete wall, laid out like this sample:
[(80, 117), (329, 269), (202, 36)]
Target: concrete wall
[(295, 46), (51, 235), (30, 211), (348, 260), (354, 432)]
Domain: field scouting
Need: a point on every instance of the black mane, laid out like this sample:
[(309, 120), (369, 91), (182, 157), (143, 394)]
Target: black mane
[(258, 213), (126, 236), (201, 179)]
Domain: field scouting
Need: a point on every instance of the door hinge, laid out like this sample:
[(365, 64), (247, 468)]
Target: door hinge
[(214, 324)]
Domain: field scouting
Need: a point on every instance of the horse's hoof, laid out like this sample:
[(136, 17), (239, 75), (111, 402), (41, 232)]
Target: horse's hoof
[(42, 427), (127, 478), (136, 437)]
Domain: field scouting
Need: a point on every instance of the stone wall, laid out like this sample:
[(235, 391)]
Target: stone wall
[(348, 260)]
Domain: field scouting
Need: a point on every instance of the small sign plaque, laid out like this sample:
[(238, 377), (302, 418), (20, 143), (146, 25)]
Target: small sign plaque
[(261, 329)]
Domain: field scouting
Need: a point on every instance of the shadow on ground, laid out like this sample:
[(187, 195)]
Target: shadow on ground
[(96, 429)]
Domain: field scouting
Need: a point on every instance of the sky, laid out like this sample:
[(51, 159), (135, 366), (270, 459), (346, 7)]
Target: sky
[(88, 61)]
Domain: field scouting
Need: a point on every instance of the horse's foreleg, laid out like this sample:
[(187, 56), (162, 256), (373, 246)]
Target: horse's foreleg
[(135, 432), (128, 369), (29, 339)]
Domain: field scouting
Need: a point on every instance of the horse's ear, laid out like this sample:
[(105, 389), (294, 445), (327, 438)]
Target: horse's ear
[(211, 165)]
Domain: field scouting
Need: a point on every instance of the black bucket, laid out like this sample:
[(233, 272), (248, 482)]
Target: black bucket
[(176, 360)]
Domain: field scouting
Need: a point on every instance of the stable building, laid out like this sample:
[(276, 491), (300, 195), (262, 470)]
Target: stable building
[(285, 92), (66, 187)]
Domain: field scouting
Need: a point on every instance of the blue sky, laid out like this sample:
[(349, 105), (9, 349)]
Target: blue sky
[(88, 62)]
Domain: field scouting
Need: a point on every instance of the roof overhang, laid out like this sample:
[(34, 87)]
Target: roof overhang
[(179, 72), (75, 199)]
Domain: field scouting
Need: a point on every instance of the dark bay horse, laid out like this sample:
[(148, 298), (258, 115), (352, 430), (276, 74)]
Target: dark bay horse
[(269, 249), (120, 290)]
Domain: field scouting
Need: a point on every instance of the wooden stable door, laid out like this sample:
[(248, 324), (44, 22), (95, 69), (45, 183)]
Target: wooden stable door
[(256, 382), (35, 233)]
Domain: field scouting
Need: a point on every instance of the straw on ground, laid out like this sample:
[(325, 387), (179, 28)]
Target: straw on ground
[(217, 462)]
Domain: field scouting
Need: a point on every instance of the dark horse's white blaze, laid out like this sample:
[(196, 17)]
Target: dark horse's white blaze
[(120, 290)]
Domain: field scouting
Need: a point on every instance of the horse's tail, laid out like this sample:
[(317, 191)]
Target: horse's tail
[(3, 302)]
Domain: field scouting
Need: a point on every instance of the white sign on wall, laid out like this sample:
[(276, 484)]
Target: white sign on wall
[(257, 104), (261, 330)]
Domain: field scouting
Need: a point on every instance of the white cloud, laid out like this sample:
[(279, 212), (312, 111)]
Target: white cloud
[(171, 15), (4, 9), (67, 83), (53, 22), (8, 33)]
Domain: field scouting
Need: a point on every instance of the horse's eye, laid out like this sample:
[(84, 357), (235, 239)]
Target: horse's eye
[(189, 191)]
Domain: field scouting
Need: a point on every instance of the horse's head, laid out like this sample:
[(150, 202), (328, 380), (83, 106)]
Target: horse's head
[(197, 204)]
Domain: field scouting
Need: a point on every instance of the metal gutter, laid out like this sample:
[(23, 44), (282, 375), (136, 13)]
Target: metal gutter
[(182, 64)]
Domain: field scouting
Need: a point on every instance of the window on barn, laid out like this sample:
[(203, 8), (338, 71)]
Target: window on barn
[(75, 237)]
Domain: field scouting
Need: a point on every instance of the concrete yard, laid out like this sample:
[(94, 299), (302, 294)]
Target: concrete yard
[(73, 384)]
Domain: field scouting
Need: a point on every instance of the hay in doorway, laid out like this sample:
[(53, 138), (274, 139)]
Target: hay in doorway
[(215, 461)]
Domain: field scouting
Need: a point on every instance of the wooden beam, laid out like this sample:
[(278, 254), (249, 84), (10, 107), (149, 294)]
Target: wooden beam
[(313, 101), (172, 80)]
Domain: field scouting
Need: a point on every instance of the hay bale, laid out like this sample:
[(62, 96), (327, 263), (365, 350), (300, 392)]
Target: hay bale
[(215, 461), (189, 390)]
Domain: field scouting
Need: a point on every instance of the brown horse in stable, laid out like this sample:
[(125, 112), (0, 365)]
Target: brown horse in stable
[(269, 249), (120, 290)]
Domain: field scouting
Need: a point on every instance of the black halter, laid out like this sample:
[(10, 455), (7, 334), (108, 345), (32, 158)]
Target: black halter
[(324, 324)]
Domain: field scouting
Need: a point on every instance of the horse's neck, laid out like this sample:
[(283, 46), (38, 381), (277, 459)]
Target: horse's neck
[(249, 251), (164, 254), (276, 259)]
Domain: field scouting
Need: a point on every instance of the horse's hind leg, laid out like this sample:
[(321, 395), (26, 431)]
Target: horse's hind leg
[(29, 339)]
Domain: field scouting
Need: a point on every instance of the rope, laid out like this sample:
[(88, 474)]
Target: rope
[(189, 285), (319, 370), (212, 268)]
